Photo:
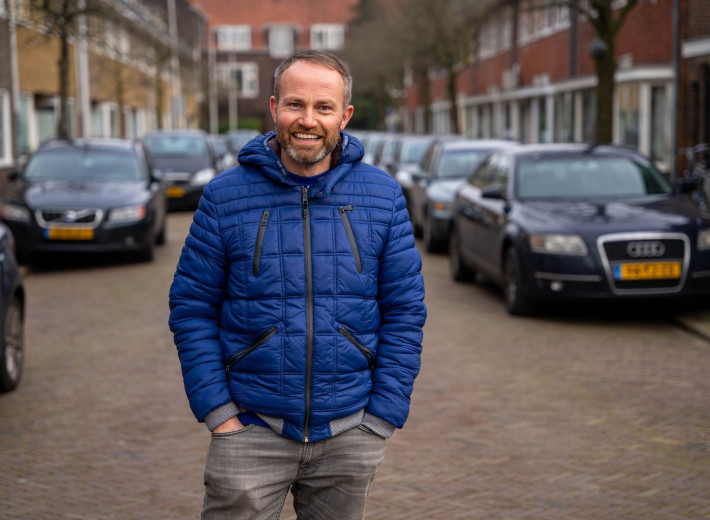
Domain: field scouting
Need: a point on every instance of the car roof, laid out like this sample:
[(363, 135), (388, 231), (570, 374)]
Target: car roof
[(179, 132), (473, 144), (93, 142), (560, 149)]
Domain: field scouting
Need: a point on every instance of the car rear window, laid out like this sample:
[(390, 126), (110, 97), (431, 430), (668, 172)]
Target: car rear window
[(175, 145), (583, 177), (84, 164), (459, 164)]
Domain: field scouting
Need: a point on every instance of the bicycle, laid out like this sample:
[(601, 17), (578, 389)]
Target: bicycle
[(697, 173)]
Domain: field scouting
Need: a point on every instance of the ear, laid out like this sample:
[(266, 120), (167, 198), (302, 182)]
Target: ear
[(272, 106), (347, 114)]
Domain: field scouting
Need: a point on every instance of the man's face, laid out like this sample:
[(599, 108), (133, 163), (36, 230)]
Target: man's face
[(309, 116)]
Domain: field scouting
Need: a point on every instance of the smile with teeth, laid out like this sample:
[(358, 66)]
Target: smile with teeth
[(306, 136)]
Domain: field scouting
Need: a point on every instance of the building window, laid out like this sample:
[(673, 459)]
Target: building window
[(629, 115), (281, 41), (328, 37), (244, 77), (234, 37), (564, 117), (21, 8), (658, 124)]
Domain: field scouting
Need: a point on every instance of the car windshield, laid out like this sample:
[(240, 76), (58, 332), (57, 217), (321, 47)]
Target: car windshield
[(588, 177), (219, 146), (84, 164), (237, 141), (457, 164), (175, 145), (413, 150)]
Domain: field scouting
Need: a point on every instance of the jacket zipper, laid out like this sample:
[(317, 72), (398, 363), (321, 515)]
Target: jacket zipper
[(260, 240), (351, 238), (236, 358), (309, 309), (363, 350)]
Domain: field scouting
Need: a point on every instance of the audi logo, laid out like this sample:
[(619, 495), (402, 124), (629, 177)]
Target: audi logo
[(647, 249)]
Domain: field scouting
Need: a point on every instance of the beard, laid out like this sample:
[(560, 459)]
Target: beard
[(307, 157)]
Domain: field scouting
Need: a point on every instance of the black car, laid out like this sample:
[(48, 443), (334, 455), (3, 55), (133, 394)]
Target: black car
[(12, 314), (560, 222), (96, 195), (444, 167), (185, 161)]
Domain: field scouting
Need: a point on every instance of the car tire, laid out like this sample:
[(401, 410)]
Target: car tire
[(459, 271), (515, 302), (147, 253), (12, 346), (160, 237), (431, 244)]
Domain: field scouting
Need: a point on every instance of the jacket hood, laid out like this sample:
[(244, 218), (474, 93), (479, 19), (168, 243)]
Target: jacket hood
[(257, 153)]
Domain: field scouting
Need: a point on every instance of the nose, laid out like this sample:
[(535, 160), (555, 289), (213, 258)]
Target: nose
[(307, 119)]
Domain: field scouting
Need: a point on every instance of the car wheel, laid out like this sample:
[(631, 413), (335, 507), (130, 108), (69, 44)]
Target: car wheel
[(515, 302), (146, 253), (430, 243), (459, 271), (160, 237), (12, 346)]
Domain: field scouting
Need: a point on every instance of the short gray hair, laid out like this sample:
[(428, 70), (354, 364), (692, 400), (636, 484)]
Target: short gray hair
[(326, 59)]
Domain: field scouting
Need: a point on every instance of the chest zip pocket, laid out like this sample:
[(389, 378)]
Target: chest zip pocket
[(363, 350), (236, 358), (260, 240), (351, 238)]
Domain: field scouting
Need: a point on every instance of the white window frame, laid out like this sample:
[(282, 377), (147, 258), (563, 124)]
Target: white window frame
[(233, 37), (332, 36), (281, 41), (250, 78)]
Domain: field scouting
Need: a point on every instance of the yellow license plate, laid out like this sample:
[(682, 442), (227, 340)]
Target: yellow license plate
[(647, 271), (69, 233), (175, 192)]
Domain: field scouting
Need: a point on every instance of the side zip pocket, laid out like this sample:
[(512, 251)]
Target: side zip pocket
[(236, 358), (351, 238), (260, 240), (363, 350)]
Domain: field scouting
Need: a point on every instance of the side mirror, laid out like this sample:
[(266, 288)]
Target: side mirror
[(13, 175), (156, 175), (494, 192)]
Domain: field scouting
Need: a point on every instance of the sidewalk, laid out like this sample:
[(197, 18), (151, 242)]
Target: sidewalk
[(697, 321)]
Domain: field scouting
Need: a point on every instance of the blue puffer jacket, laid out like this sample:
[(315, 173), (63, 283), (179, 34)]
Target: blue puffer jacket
[(304, 305)]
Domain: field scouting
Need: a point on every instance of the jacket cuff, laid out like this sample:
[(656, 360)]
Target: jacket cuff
[(378, 426), (221, 414)]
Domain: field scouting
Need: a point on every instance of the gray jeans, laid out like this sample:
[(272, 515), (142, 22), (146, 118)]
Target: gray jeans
[(249, 473)]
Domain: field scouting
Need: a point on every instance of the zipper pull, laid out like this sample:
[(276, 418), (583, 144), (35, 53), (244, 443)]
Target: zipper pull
[(304, 191)]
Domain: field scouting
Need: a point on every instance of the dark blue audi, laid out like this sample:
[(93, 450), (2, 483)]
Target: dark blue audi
[(560, 222)]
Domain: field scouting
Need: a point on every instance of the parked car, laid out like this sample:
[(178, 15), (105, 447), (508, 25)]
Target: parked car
[(443, 169), (93, 195), (236, 139), (553, 223), (223, 158), (12, 314), (184, 159)]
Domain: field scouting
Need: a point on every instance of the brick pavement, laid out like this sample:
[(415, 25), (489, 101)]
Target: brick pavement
[(548, 418)]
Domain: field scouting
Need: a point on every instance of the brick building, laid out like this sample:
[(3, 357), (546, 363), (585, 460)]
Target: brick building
[(133, 66), (533, 80), (247, 39)]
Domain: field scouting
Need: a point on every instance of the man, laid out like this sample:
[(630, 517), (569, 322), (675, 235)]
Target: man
[(297, 309)]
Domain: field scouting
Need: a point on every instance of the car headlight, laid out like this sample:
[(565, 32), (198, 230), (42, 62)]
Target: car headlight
[(15, 212), (704, 239), (127, 214), (202, 177), (559, 244)]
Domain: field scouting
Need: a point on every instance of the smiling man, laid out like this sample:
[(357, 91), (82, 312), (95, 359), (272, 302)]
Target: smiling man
[(297, 310)]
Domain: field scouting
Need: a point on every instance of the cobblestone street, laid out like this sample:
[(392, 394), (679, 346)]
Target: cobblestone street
[(572, 417)]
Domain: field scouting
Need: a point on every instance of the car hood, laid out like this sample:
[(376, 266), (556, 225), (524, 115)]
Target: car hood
[(444, 189), (181, 163), (66, 194), (652, 213)]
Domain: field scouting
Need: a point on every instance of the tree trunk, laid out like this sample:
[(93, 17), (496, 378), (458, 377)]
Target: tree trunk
[(425, 91), (606, 69), (63, 122), (453, 107)]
